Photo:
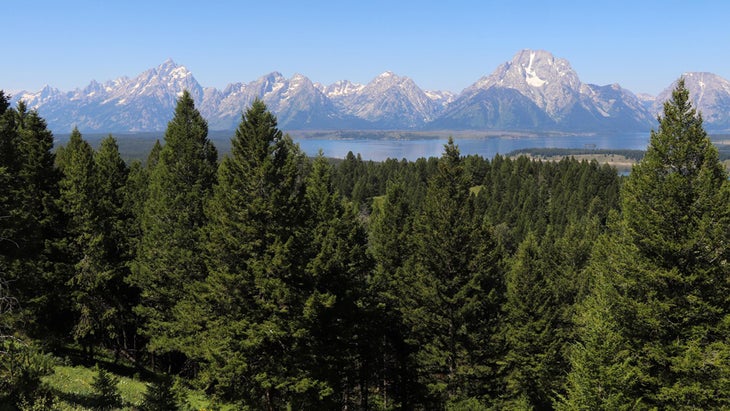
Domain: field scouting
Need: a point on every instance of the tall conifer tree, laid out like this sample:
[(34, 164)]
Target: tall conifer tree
[(257, 252), (337, 273), (34, 222), (543, 284), (169, 258), (664, 283), (390, 229), (83, 245), (112, 175), (96, 246), (452, 294)]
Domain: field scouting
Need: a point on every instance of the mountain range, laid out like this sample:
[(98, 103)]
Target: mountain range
[(534, 91)]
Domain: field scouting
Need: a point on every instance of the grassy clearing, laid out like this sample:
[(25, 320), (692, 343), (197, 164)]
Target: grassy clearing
[(72, 387)]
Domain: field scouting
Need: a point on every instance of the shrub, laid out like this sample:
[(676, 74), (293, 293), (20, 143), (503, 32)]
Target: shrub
[(159, 396), (106, 394), (21, 367)]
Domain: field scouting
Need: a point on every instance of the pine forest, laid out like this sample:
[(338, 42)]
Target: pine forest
[(264, 279)]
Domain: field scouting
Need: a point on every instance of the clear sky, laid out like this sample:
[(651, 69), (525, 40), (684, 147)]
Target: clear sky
[(441, 45)]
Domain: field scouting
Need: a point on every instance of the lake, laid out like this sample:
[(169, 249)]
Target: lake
[(378, 146), (487, 147)]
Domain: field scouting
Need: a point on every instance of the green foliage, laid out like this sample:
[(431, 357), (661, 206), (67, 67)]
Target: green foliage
[(469, 404), (78, 198), (390, 246), (522, 196), (117, 240), (603, 373), (663, 286), (257, 251), (532, 331), (280, 309), (38, 403), (169, 259), (22, 365), (96, 247), (445, 283), (338, 270), (543, 286), (30, 224), (159, 396), (452, 289), (106, 393)]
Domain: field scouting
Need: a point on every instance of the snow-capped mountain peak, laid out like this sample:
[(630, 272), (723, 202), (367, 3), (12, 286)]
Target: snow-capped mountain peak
[(538, 90), (340, 89), (709, 94), (550, 82), (533, 91)]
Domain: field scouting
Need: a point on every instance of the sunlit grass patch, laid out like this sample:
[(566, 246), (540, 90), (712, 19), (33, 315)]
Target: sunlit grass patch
[(72, 385)]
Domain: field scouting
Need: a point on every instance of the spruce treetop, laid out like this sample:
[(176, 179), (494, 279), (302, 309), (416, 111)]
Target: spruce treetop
[(671, 190)]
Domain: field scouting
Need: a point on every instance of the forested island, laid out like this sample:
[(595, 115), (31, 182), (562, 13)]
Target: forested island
[(267, 280)]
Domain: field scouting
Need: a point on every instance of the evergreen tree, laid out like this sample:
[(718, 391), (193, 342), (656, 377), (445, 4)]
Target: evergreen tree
[(10, 184), (532, 311), (154, 157), (96, 247), (257, 253), (9, 139), (159, 396), (169, 258), (106, 392), (452, 292), (33, 223), (543, 284), (332, 310), (664, 285), (390, 245), (603, 374), (136, 192), (112, 175), (83, 246), (390, 228)]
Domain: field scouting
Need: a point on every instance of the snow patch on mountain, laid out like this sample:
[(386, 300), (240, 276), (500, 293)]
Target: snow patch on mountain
[(709, 94), (532, 77), (534, 90)]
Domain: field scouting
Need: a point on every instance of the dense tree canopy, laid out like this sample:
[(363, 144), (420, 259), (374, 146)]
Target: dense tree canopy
[(275, 281), (660, 279), (169, 258)]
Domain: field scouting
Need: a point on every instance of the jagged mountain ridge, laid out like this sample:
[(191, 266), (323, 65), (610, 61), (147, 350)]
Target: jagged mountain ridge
[(708, 92), (533, 91), (145, 103)]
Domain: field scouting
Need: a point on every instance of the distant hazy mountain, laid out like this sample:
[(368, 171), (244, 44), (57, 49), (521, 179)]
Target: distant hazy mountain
[(388, 102), (533, 91), (709, 94), (391, 102), (297, 103), (145, 103), (538, 91)]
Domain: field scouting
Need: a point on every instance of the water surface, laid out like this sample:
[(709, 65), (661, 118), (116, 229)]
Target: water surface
[(487, 147)]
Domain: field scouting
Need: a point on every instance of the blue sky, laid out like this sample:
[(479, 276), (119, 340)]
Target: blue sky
[(446, 45)]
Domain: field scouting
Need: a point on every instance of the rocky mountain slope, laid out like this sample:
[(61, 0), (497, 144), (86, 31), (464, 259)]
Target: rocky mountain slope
[(533, 91), (709, 93), (538, 91)]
